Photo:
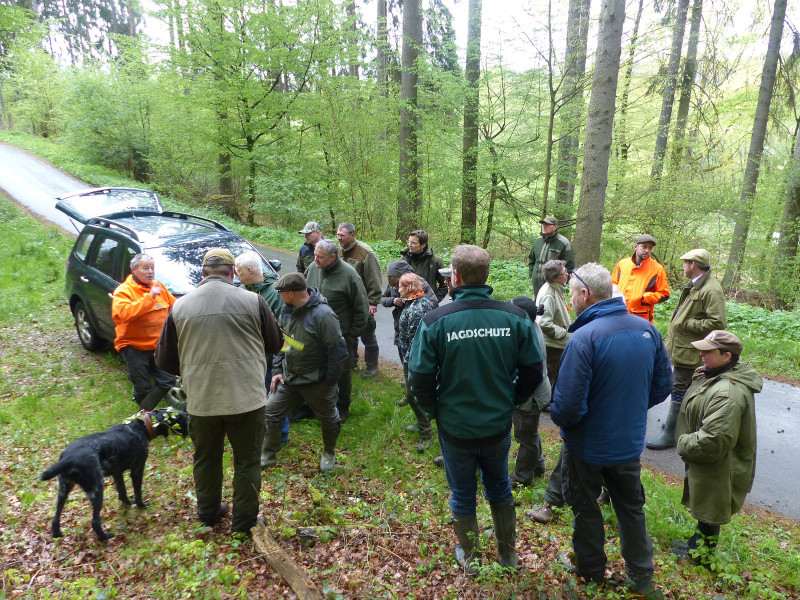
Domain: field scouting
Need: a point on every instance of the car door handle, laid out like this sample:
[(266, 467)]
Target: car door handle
[(84, 279)]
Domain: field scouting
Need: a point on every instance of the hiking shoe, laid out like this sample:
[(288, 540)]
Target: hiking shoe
[(423, 445), (567, 559), (327, 462), (542, 514), (439, 461), (370, 372), (412, 428), (221, 512)]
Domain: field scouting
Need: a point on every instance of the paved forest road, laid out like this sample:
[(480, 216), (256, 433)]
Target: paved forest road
[(35, 185)]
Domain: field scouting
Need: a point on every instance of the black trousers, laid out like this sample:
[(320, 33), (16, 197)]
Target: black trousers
[(245, 432), (141, 369)]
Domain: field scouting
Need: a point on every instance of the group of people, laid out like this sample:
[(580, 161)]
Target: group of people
[(476, 366)]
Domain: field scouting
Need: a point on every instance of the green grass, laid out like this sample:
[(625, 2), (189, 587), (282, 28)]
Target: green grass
[(381, 519)]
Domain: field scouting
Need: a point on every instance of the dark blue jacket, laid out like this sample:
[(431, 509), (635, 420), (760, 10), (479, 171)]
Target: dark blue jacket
[(614, 368)]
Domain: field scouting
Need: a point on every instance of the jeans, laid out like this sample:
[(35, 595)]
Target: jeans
[(245, 432), (460, 465), (583, 484)]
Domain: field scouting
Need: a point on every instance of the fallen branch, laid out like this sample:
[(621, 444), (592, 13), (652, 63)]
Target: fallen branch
[(283, 564)]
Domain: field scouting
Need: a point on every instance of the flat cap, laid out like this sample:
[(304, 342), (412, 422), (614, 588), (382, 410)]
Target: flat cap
[(218, 256), (719, 338), (698, 255), (550, 220), (310, 227), (291, 282), (447, 271), (646, 237)]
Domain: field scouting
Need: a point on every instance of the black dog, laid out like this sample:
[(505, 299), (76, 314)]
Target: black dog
[(121, 448)]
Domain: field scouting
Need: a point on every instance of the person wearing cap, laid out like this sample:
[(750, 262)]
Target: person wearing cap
[(363, 259), (250, 270), (217, 338), (700, 310), (716, 433), (425, 263), (307, 368), (341, 286), (618, 369), (139, 308), (551, 245), (472, 361), (305, 257), (641, 279)]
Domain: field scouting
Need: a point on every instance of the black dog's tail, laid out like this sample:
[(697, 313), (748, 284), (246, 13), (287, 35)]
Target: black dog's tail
[(56, 470)]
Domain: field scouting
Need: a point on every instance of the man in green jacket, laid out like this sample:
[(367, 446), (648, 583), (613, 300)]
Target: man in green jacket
[(717, 439), (551, 245), (472, 361), (307, 368), (363, 259), (700, 310), (341, 286)]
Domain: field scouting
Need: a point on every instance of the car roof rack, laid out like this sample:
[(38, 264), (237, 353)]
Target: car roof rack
[(186, 217), (109, 223)]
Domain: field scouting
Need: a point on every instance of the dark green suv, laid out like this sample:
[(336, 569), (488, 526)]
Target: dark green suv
[(119, 223)]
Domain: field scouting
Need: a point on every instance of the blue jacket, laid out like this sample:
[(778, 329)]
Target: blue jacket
[(614, 368)]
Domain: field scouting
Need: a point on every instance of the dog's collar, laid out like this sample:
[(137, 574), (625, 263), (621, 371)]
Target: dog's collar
[(148, 422)]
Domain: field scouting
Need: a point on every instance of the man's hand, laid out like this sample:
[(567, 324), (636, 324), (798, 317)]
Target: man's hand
[(373, 309), (155, 291), (273, 384), (398, 301)]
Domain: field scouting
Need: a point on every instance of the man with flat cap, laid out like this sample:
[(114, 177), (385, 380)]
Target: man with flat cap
[(551, 245), (307, 368), (217, 337), (305, 256), (717, 440), (641, 279), (700, 310)]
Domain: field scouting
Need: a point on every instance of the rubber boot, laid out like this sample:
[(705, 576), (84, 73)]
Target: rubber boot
[(329, 436), (270, 447), (153, 397), (505, 530), (468, 550), (666, 439)]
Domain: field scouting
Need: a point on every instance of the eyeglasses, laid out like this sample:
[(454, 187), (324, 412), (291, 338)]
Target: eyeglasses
[(578, 277)]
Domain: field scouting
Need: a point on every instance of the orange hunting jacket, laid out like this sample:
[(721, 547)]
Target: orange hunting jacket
[(138, 316), (643, 286)]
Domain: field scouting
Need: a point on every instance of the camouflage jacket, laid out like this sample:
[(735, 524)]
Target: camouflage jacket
[(412, 314)]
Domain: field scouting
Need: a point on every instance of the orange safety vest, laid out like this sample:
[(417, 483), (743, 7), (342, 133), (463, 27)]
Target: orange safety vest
[(138, 316), (643, 286)]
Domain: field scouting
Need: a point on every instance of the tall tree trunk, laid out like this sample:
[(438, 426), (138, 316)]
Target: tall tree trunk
[(742, 214), (4, 112), (687, 84), (382, 50), (669, 89), (469, 170), (599, 126), (786, 253), (574, 71), (409, 197), (622, 134), (351, 15), (180, 34)]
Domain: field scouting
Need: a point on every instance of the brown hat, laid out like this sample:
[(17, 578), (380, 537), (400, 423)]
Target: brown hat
[(218, 256), (646, 237), (551, 220), (310, 227), (291, 282), (698, 255), (719, 338)]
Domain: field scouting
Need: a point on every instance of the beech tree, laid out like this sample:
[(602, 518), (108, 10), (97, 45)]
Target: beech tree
[(744, 206), (599, 126), (469, 174)]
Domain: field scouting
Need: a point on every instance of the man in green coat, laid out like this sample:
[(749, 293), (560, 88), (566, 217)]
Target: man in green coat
[(551, 245), (717, 438), (341, 286), (700, 310)]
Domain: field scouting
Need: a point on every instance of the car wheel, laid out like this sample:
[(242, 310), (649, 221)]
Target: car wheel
[(86, 331)]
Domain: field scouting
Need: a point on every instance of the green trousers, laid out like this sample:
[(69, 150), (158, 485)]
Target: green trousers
[(245, 432)]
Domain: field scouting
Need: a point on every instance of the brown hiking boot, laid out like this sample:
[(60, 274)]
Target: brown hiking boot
[(542, 514)]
